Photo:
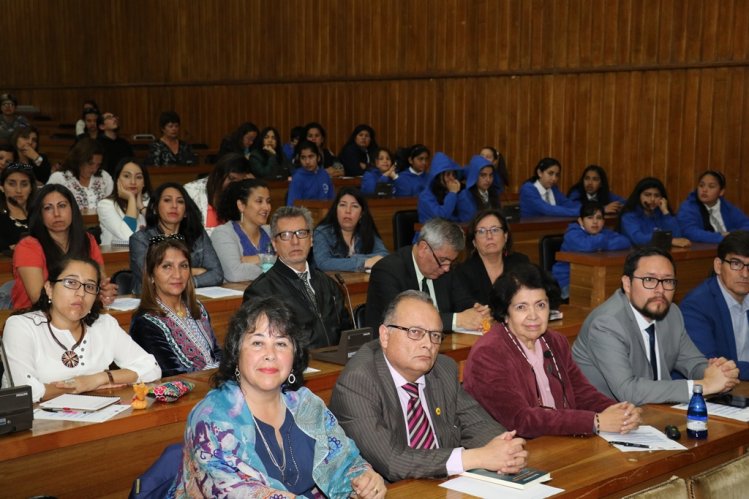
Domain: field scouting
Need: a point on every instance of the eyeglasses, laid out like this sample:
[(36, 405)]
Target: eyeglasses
[(652, 283), (417, 333), (74, 284), (443, 262), (736, 265), (299, 233), (485, 231), (163, 237)]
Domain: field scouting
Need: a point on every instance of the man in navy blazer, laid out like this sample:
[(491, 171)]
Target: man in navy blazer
[(372, 403), (426, 266), (715, 312)]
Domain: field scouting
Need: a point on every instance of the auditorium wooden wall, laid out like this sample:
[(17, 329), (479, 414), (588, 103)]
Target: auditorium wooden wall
[(639, 86)]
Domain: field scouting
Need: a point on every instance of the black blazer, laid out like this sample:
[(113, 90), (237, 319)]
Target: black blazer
[(396, 273), (472, 274)]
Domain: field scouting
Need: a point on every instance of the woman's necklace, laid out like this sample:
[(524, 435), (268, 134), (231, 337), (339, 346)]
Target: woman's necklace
[(248, 233), (281, 467), (69, 357)]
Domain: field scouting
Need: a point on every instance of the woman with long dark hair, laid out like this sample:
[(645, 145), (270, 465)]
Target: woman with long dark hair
[(56, 231), (19, 190), (315, 133), (347, 238), (25, 142), (594, 186), (82, 173), (240, 141), (172, 211), (268, 160), (647, 210), (358, 153), (123, 212), (412, 178), (540, 196)]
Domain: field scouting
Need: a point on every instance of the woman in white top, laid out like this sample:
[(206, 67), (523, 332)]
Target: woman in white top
[(246, 205), (82, 174), (206, 192), (63, 345), (123, 212)]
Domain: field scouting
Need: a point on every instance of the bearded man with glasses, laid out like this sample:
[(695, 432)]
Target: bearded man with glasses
[(314, 298), (630, 345), (402, 403), (715, 312)]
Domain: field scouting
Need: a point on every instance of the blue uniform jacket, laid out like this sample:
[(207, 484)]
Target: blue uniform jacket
[(310, 185), (409, 185), (467, 206), (693, 225), (708, 323), (428, 205), (576, 239), (533, 205), (639, 227), (371, 178), (575, 197)]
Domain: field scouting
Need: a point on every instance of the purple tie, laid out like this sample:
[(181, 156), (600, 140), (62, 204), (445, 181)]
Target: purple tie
[(420, 434)]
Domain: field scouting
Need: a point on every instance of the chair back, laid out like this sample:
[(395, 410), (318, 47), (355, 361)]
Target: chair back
[(728, 481), (403, 227), (125, 282), (360, 314), (673, 488), (547, 250), (157, 479)]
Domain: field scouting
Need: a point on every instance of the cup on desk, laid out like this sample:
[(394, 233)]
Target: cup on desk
[(267, 260)]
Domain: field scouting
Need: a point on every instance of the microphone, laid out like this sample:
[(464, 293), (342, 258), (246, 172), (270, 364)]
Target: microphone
[(342, 282)]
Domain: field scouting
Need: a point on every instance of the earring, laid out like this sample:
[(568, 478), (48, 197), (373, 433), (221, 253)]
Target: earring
[(291, 379), (49, 300), (236, 373)]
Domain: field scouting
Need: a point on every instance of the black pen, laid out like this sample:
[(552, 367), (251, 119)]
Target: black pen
[(629, 444), (65, 409)]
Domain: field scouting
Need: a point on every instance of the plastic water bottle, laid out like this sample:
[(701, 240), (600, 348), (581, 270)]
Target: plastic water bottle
[(697, 415)]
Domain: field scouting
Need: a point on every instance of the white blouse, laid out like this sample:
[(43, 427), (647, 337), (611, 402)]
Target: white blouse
[(35, 358), (114, 230), (86, 197)]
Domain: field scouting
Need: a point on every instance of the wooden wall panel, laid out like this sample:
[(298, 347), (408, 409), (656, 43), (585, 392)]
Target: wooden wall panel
[(640, 87)]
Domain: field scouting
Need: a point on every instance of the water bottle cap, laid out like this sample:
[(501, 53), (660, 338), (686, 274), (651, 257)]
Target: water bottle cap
[(697, 389)]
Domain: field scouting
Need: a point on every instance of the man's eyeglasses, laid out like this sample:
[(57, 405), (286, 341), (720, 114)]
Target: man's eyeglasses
[(74, 284), (441, 262), (737, 265), (299, 233), (652, 283), (417, 333), (163, 237), (485, 231)]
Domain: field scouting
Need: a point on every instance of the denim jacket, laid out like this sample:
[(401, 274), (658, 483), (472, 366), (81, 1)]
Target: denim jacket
[(329, 256)]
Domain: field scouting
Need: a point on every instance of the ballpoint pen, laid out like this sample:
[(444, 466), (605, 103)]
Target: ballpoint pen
[(629, 444)]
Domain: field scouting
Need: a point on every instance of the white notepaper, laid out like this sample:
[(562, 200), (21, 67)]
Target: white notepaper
[(218, 292), (79, 402), (124, 303), (484, 489), (82, 417), (645, 435), (722, 410)]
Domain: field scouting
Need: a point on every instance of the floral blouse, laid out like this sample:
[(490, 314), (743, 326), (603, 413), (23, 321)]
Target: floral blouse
[(99, 187), (160, 154)]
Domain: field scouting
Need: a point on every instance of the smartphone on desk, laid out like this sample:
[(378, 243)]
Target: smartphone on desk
[(730, 400)]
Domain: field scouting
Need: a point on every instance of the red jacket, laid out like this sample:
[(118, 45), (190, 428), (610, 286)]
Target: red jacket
[(499, 377)]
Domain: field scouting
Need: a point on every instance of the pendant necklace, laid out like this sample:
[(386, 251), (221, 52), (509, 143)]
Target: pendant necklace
[(69, 357), (282, 466)]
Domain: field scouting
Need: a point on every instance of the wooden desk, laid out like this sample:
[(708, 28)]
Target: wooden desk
[(589, 467), (181, 174), (382, 211), (595, 276)]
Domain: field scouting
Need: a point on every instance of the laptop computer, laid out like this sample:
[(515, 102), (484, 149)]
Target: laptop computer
[(16, 412), (351, 341)]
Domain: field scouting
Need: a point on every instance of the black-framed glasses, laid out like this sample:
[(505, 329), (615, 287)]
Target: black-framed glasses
[(417, 333), (736, 265), (75, 285), (653, 282), (485, 231), (163, 237), (444, 262), (299, 233)]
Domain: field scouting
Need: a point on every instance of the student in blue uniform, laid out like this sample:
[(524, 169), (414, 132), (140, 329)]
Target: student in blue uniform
[(482, 190), (309, 181), (646, 211), (440, 197), (586, 235), (412, 180), (540, 196), (382, 172), (594, 186), (705, 216)]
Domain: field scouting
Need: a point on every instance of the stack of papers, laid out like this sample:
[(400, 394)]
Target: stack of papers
[(218, 292), (483, 489), (643, 439), (124, 303)]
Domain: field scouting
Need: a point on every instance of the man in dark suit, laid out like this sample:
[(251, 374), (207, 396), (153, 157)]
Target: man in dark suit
[(402, 404), (315, 299), (628, 346), (715, 312), (426, 266)]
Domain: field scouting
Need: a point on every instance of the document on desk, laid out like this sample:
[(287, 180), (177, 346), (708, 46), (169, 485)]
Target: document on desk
[(722, 410), (643, 439), (124, 303), (483, 489), (82, 417), (218, 292), (463, 330)]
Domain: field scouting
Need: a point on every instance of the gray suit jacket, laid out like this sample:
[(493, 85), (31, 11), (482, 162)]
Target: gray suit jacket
[(612, 354), (365, 401)]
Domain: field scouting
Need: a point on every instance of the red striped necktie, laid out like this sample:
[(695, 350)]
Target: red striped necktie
[(420, 433)]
